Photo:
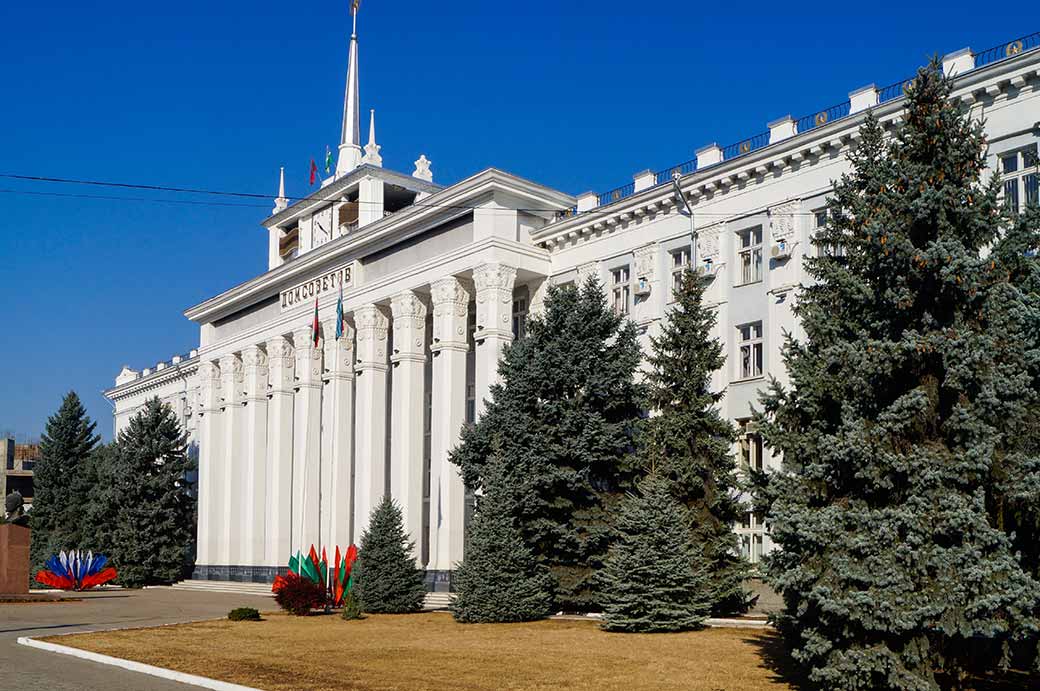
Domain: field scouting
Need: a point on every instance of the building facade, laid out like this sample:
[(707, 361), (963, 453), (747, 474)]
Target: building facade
[(301, 433), (16, 468)]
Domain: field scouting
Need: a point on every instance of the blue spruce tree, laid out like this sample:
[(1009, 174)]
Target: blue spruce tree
[(901, 428)]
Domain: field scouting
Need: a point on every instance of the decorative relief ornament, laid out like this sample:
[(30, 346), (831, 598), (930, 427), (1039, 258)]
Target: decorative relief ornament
[(1014, 48), (372, 324), (450, 309), (494, 286), (782, 219), (645, 257), (586, 270), (821, 118), (708, 241)]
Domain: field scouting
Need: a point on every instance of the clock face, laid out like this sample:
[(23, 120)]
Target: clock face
[(323, 226)]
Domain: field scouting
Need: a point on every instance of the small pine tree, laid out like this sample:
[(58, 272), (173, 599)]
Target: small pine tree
[(499, 580), (901, 428), (654, 579), (152, 527), (688, 441), (61, 498), (351, 607), (387, 579), (562, 420)]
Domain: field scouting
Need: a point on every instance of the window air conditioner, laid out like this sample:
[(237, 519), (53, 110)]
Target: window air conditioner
[(642, 287), (781, 250)]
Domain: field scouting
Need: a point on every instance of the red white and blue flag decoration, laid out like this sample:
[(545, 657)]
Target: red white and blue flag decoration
[(74, 570)]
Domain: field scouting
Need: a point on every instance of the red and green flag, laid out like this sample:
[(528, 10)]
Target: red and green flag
[(314, 171), (314, 325)]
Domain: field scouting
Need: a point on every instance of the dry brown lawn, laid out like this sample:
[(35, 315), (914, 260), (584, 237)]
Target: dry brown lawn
[(431, 651)]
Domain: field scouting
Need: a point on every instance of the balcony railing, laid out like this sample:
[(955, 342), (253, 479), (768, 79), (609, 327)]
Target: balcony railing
[(1007, 50)]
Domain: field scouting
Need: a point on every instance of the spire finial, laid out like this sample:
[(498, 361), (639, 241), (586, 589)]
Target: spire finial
[(372, 149), (280, 203), (350, 136)]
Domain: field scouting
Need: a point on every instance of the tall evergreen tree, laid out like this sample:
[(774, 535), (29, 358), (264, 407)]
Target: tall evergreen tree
[(561, 421), (387, 580), (655, 579), (1016, 504), (154, 507), (688, 442), (893, 566), (499, 580), (60, 495)]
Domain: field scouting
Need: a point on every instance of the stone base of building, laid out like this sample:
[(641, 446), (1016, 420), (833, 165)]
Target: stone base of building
[(440, 581), (238, 574), (436, 581)]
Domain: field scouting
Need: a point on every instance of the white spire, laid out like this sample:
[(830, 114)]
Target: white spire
[(350, 137), (280, 202), (372, 149)]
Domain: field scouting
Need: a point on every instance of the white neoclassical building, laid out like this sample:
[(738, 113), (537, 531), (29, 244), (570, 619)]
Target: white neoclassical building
[(298, 440)]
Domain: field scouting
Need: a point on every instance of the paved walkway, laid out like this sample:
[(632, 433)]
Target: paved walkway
[(28, 669)]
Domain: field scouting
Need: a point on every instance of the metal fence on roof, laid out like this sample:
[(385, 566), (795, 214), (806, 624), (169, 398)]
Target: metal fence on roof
[(1007, 50), (814, 120)]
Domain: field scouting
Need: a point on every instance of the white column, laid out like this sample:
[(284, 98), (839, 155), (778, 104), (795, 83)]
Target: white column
[(337, 501), (254, 481), (370, 416), (406, 417), (281, 359), (230, 531), (538, 290), (494, 293), (447, 494), (306, 478), (210, 460)]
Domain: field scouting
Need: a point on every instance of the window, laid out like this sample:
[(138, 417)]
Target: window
[(750, 255), (824, 248), (622, 290), (752, 529), (519, 317), (750, 442), (750, 350), (680, 264), (1018, 170)]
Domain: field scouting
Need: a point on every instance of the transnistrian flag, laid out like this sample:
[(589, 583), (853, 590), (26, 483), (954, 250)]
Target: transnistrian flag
[(314, 326), (328, 159), (339, 312), (314, 170)]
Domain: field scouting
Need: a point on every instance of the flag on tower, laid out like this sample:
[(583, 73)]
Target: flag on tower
[(339, 311), (314, 325), (314, 170), (328, 159)]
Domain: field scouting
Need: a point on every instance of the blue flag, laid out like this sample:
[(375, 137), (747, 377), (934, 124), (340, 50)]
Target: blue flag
[(339, 312)]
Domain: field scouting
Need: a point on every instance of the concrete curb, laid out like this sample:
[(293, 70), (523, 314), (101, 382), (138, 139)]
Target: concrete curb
[(140, 667)]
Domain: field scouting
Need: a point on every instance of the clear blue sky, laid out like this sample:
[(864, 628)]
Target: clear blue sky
[(219, 94)]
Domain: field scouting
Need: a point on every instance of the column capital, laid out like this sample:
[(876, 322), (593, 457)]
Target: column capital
[(372, 330), (308, 358), (339, 352), (494, 287), (232, 379), (254, 364), (209, 386), (450, 307), (281, 362), (409, 313)]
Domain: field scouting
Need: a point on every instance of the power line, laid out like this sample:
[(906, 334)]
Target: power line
[(251, 195)]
